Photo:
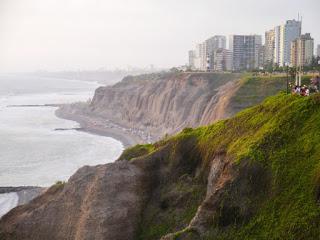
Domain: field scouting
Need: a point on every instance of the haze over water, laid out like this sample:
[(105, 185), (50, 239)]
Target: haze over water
[(32, 152)]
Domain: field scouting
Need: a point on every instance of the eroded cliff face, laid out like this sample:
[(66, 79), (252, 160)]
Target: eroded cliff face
[(103, 202), (137, 199), (167, 103), (235, 179), (179, 188)]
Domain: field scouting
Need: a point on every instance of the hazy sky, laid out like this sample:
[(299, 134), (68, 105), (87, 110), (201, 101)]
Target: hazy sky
[(90, 34)]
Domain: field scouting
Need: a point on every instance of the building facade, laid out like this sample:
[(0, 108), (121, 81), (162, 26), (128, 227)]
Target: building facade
[(262, 57), (212, 45), (302, 50), (192, 56), (203, 56), (269, 47), (221, 60), (277, 43), (284, 35), (216, 42), (318, 50), (198, 58), (201, 49), (246, 51)]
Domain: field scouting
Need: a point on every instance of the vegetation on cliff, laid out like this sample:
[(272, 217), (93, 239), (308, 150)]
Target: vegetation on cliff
[(253, 176), (277, 198), (254, 89)]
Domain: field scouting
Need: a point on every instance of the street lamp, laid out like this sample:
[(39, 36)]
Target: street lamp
[(287, 68)]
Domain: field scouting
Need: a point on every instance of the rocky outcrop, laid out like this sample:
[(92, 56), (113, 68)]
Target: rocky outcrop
[(137, 199), (113, 201), (102, 202)]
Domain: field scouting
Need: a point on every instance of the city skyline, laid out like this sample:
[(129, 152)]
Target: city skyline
[(71, 35), (284, 45)]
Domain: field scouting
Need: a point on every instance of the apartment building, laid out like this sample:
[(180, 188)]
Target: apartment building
[(246, 51), (302, 50), (284, 35)]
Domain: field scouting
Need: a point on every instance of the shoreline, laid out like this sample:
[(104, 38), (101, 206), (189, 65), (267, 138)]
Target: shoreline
[(23, 195), (98, 126)]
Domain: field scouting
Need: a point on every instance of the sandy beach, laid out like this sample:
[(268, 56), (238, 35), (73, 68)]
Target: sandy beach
[(102, 127)]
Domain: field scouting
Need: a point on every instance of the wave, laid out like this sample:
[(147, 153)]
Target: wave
[(7, 202)]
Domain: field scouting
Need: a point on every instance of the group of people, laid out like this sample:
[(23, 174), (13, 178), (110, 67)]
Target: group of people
[(306, 90), (303, 91)]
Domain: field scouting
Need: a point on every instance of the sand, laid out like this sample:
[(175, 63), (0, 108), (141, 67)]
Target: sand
[(102, 127)]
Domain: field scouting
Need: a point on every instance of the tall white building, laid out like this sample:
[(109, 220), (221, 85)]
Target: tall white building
[(212, 45), (284, 35), (221, 60), (192, 56), (269, 47), (203, 56), (216, 42), (196, 60), (318, 50), (277, 44)]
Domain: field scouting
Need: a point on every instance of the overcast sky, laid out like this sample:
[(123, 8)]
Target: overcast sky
[(91, 34)]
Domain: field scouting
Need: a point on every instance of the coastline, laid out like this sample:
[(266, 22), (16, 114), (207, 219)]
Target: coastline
[(25, 193), (101, 127), (11, 197)]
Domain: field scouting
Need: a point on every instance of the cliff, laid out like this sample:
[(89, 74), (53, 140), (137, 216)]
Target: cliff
[(253, 176), (148, 107), (154, 105)]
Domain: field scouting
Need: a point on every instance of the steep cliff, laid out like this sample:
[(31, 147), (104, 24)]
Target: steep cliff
[(148, 107), (254, 176), (165, 103)]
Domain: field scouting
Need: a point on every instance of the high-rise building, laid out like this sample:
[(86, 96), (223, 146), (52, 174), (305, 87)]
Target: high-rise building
[(284, 35), (246, 51), (213, 44), (277, 44), (216, 42), (199, 59), (262, 60), (302, 50), (227, 60), (221, 60), (192, 56), (196, 59), (318, 50), (269, 47), (202, 56)]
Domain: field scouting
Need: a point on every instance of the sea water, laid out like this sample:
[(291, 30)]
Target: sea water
[(32, 151)]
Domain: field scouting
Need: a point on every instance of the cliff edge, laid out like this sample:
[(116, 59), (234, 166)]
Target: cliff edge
[(154, 105), (253, 176)]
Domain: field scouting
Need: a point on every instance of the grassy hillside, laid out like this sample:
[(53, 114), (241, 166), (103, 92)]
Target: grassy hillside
[(274, 149), (254, 89)]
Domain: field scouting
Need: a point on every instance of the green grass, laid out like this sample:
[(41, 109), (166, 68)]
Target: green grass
[(282, 137), (176, 207), (283, 134), (254, 89), (288, 144), (136, 151)]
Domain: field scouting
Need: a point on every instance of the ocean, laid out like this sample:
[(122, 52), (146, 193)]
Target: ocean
[(32, 151)]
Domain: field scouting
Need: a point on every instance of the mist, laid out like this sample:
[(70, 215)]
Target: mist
[(58, 35)]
